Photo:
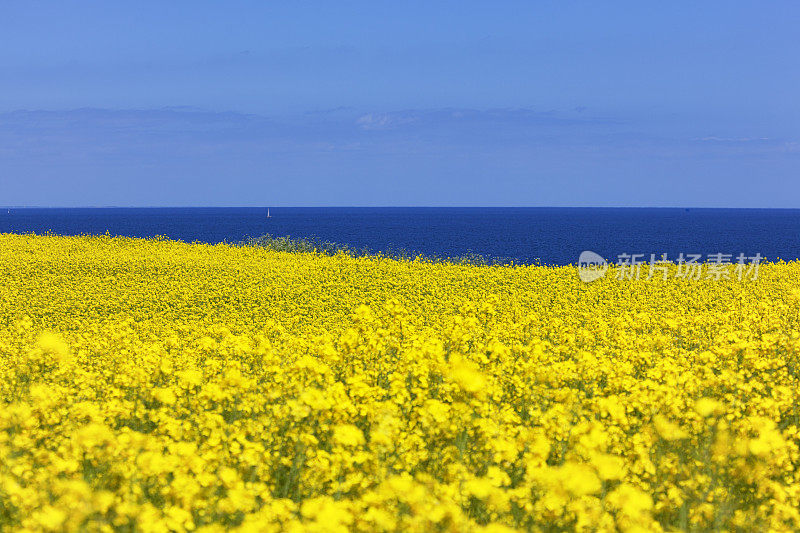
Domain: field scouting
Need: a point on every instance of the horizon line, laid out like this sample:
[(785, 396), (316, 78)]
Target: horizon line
[(385, 207)]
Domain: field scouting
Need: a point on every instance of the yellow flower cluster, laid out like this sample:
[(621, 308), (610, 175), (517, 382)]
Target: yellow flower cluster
[(160, 386)]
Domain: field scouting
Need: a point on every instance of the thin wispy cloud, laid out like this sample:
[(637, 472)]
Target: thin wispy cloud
[(714, 138), (176, 155)]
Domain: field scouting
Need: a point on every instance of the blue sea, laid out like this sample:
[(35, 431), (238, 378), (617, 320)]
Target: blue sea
[(522, 235)]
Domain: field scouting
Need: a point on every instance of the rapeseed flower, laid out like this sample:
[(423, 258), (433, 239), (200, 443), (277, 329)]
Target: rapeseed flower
[(162, 386)]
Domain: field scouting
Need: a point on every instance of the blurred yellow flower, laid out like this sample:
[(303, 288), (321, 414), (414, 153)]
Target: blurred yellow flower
[(348, 435)]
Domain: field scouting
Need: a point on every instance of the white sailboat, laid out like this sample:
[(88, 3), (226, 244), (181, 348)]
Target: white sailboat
[(268, 215)]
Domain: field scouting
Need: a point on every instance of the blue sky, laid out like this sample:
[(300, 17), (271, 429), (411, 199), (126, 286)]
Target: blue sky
[(400, 103)]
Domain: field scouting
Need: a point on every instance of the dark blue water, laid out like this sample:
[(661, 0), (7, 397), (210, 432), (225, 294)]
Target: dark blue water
[(550, 235)]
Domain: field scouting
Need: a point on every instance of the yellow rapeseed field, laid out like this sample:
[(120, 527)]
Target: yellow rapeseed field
[(153, 385)]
